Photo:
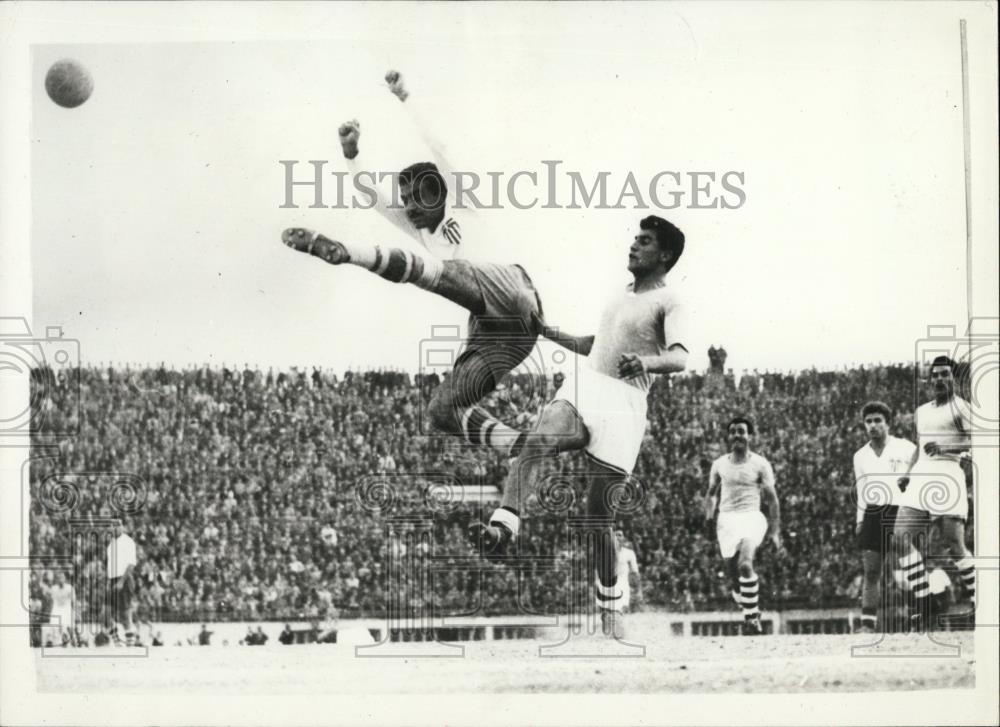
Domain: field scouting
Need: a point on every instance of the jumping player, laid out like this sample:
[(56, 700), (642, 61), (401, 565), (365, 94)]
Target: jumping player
[(939, 495), (876, 507), (505, 311), (737, 483), (602, 407)]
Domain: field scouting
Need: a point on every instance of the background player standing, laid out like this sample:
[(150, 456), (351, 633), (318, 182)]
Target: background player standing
[(737, 483), (122, 560), (627, 571), (934, 488), (62, 610), (504, 308), (882, 455), (602, 406)]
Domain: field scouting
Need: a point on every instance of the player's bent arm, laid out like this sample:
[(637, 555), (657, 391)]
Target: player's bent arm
[(421, 121), (580, 345), (349, 134), (674, 360), (712, 496), (770, 496)]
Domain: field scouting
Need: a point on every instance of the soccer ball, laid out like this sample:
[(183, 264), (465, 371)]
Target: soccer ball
[(68, 83)]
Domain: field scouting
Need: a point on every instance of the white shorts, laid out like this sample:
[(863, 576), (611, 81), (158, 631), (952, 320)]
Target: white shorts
[(626, 592), (614, 413), (736, 526), (937, 487)]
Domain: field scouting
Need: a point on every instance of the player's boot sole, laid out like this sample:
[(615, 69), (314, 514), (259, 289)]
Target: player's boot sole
[(313, 243), (493, 541)]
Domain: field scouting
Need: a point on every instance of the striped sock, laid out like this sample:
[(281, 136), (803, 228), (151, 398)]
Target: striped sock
[(967, 570), (401, 266), (749, 593), (609, 597), (868, 617), (916, 576), (478, 427)]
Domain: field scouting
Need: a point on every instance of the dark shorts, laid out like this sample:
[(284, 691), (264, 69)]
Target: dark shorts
[(877, 527), (505, 332), (121, 594)]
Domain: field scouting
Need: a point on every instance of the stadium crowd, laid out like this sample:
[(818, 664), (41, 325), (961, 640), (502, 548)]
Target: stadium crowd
[(258, 495)]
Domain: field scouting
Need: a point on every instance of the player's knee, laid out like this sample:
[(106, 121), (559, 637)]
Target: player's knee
[(544, 443), (745, 567), (443, 414)]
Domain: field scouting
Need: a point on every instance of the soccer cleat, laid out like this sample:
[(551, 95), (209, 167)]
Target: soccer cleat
[(865, 629), (916, 623), (493, 540), (753, 627), (613, 624), (313, 243)]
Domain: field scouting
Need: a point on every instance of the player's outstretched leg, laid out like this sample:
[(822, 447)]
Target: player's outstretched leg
[(452, 408), (393, 264), (559, 429), (609, 595), (749, 588), (451, 279)]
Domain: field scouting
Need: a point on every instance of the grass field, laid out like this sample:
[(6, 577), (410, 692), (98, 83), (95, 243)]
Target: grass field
[(812, 663)]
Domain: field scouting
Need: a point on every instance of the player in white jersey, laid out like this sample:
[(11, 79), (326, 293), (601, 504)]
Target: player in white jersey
[(877, 465), (505, 311), (737, 483), (62, 610), (602, 407), (121, 563), (934, 488), (628, 571)]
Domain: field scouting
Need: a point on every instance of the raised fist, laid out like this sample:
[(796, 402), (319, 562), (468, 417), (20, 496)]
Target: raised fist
[(395, 81), (350, 132)]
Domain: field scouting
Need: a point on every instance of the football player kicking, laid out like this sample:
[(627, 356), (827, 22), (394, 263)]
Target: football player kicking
[(876, 505), (938, 495), (505, 311), (602, 407), (736, 484)]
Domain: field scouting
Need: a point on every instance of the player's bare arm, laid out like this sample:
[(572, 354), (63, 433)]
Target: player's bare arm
[(904, 481), (770, 497), (712, 496), (631, 365), (580, 345)]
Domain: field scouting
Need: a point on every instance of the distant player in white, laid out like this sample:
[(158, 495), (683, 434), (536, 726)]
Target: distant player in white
[(628, 567), (737, 483), (122, 560), (877, 466), (934, 489), (602, 407), (504, 307), (62, 610)]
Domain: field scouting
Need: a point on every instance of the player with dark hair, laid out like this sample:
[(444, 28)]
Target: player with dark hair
[(602, 407), (737, 482), (939, 495), (876, 502), (505, 310)]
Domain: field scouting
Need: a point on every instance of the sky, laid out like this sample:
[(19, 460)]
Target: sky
[(156, 213)]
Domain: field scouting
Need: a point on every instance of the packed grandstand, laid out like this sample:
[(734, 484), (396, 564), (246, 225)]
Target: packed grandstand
[(245, 503)]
